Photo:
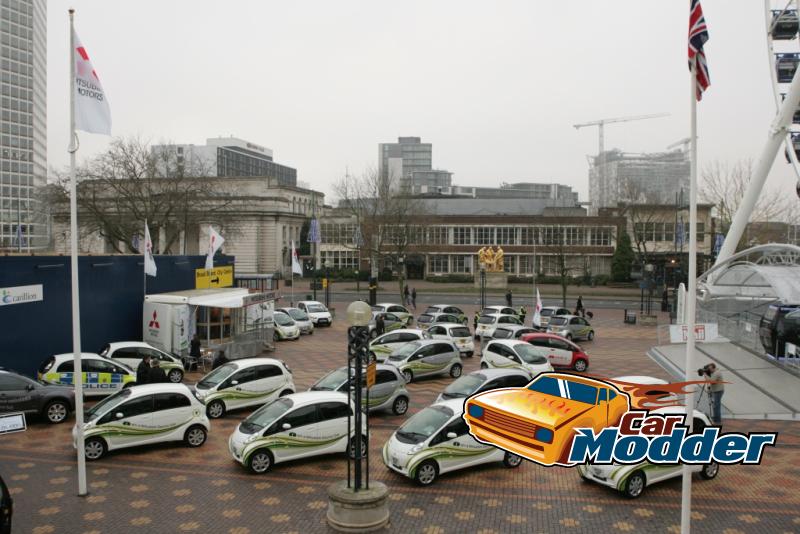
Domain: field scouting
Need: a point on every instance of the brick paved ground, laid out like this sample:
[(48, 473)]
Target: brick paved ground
[(174, 489)]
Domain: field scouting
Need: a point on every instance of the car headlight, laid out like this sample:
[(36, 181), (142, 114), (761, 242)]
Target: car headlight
[(415, 449), (545, 435), (475, 411)]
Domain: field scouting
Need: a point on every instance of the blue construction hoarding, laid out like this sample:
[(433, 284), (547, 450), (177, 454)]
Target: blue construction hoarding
[(35, 302)]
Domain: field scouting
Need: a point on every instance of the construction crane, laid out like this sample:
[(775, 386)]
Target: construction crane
[(683, 142), (601, 154)]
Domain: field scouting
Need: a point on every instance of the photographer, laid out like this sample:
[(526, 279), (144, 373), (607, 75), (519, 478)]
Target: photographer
[(717, 390)]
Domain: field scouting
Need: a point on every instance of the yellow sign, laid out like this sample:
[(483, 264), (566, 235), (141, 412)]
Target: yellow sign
[(371, 374), (324, 283), (216, 277)]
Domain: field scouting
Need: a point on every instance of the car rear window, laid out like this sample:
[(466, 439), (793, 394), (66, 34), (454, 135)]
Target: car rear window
[(486, 320), (558, 321), (460, 331), (425, 318), (502, 333), (546, 313)]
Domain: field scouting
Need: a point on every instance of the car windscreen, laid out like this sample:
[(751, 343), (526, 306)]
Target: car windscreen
[(559, 321), (425, 318), (531, 354), (464, 386), (432, 309), (486, 319), (298, 315), (502, 333), (546, 312), (216, 376), (405, 351), (460, 331), (316, 308), (283, 320), (566, 389), (107, 404), (424, 424), (266, 415), (332, 381)]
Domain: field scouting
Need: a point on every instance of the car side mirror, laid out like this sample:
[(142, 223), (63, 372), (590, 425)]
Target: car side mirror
[(286, 426), (451, 435), (119, 415)]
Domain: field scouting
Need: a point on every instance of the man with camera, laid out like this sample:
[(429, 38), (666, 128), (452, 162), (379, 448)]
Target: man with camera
[(717, 390)]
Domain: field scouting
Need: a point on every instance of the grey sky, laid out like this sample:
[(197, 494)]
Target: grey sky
[(495, 86)]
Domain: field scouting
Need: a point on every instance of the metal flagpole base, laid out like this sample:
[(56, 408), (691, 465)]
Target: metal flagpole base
[(363, 511)]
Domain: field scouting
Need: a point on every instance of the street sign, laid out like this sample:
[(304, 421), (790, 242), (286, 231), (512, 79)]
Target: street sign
[(216, 277), (678, 333), (12, 422), (371, 374)]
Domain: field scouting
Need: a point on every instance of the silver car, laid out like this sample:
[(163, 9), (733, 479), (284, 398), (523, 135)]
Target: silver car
[(388, 393), (301, 318), (427, 357), (484, 380), (428, 318), (571, 327)]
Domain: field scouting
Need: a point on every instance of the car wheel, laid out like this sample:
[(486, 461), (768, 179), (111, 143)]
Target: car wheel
[(195, 436), (351, 448), (484, 366), (175, 376), (56, 411), (455, 370), (215, 409), (512, 460), (408, 375), (568, 336), (580, 365), (710, 471), (591, 335), (94, 449), (635, 485), (260, 462), (310, 332), (400, 406), (426, 473)]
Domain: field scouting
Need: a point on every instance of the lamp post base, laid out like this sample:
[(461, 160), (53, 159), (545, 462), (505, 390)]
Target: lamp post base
[(362, 511)]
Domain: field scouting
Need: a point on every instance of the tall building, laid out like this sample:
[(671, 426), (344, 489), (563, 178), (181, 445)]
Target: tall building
[(523, 190), (228, 156), (23, 140), (652, 178), (410, 162)]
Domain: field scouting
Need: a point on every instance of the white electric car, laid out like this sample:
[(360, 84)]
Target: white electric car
[(514, 354), (458, 334), (426, 357)]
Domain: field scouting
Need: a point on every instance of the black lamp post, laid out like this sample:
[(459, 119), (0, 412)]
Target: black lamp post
[(483, 285)]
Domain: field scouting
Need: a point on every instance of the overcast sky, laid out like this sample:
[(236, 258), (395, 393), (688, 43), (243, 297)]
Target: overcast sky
[(495, 86)]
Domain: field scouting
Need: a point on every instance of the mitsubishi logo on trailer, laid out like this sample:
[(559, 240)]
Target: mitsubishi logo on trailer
[(154, 322)]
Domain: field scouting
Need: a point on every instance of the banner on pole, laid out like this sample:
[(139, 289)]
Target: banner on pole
[(679, 333)]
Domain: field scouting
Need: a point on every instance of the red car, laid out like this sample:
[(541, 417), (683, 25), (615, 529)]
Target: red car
[(560, 352)]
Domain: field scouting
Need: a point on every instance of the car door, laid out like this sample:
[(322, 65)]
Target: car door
[(493, 356), (301, 438), (171, 413), (512, 358), (128, 355), (402, 313), (422, 362), (560, 352), (103, 377), (385, 383), (437, 332), (239, 388), (443, 354), (130, 423), (464, 450), (391, 322), (267, 385), (332, 426), (17, 395)]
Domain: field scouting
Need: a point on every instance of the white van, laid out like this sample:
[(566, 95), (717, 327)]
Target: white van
[(514, 354), (140, 415), (293, 427), (436, 440), (131, 353), (458, 334), (426, 357), (243, 383), (319, 314)]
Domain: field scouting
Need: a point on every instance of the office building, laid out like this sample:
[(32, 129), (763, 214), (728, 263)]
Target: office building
[(227, 157), (528, 190), (23, 140), (655, 178), (409, 162)]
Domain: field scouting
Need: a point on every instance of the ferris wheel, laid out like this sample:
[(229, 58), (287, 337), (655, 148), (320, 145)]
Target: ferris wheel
[(783, 49)]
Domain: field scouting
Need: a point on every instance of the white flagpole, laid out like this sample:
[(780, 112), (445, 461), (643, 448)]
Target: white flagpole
[(291, 269), (77, 375), (144, 257), (691, 297)]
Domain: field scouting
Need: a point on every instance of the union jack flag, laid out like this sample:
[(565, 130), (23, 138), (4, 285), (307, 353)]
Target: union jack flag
[(698, 35)]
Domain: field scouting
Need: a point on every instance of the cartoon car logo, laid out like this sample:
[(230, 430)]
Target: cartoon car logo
[(538, 421)]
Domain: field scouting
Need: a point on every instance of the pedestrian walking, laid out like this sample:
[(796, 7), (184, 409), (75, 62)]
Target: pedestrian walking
[(143, 370), (717, 390), (509, 298), (406, 297), (414, 298), (156, 374), (475, 320), (522, 314), (194, 353), (579, 309), (380, 326)]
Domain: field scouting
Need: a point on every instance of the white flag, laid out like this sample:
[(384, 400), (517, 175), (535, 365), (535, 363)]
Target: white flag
[(149, 261), (214, 242), (537, 315), (92, 113), (296, 268)]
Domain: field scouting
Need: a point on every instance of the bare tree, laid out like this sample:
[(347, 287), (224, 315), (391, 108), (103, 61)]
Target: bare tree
[(638, 209), (130, 183), (390, 222)]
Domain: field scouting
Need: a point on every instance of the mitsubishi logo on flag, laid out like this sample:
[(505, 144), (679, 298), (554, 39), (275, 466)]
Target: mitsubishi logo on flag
[(92, 113), (154, 322)]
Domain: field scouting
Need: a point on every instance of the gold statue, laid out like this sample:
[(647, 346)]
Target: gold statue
[(491, 259), (498, 260)]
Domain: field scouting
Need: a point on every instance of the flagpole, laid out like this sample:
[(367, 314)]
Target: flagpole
[(77, 375), (691, 297), (144, 257)]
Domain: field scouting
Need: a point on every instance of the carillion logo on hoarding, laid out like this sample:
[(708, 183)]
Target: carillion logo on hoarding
[(21, 294)]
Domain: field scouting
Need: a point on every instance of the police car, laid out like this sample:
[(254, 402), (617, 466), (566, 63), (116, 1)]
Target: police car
[(150, 413), (100, 376)]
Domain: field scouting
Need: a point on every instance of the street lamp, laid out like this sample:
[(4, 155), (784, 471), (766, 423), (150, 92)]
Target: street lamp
[(353, 507), (483, 285)]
